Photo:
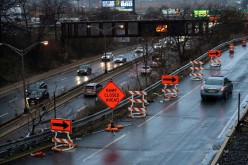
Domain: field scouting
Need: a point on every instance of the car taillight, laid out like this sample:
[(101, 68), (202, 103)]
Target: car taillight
[(222, 89), (202, 88), (84, 90)]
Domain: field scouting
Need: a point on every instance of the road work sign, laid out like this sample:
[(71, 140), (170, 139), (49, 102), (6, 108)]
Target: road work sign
[(167, 79), (111, 95), (214, 53), (60, 125)]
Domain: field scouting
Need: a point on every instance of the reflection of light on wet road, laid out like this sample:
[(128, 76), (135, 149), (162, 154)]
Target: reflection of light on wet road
[(78, 80), (104, 147)]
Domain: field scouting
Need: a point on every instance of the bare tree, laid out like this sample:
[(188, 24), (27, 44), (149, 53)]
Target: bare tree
[(55, 10)]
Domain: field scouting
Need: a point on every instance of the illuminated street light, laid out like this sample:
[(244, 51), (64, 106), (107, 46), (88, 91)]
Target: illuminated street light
[(22, 52), (104, 32)]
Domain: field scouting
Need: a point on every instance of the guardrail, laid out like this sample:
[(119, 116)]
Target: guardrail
[(46, 135)]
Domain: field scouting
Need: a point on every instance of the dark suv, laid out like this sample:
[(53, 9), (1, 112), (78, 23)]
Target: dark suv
[(84, 70), (35, 86), (37, 96)]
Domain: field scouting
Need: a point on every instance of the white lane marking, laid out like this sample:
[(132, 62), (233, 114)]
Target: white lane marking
[(13, 100), (104, 147), (123, 83), (63, 79), (227, 124), (4, 114), (169, 106), (80, 109), (179, 100)]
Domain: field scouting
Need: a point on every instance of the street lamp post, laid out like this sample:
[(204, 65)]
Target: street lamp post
[(22, 52), (104, 32)]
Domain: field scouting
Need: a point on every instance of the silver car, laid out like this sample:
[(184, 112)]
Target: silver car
[(107, 56), (120, 59), (218, 86), (92, 89)]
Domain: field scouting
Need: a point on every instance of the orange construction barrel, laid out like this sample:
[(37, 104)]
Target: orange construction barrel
[(244, 42), (231, 48)]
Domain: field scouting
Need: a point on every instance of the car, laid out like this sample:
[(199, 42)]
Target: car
[(92, 89), (108, 56), (140, 51), (120, 59), (157, 46), (216, 86), (84, 70), (37, 96), (146, 70), (155, 64), (35, 86)]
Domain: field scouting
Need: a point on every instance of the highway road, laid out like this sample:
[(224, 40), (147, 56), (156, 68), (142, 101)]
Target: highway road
[(182, 131), (13, 104)]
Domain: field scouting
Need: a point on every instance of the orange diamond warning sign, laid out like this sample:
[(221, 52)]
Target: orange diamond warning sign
[(111, 95)]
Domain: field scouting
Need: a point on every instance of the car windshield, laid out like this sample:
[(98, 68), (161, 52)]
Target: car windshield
[(214, 82), (120, 56), (89, 87), (83, 67), (34, 86), (145, 67), (107, 54), (36, 93)]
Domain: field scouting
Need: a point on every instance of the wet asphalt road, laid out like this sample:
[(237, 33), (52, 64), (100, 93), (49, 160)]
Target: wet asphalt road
[(181, 131)]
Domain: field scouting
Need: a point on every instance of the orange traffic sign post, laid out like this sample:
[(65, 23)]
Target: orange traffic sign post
[(111, 95), (63, 125), (167, 79), (214, 53)]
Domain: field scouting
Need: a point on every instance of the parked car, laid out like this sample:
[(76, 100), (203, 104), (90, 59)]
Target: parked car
[(92, 89), (108, 56), (84, 70), (120, 59), (217, 86), (146, 70), (35, 86), (37, 96)]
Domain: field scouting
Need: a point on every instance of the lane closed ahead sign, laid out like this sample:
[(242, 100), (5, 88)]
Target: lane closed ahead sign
[(111, 95)]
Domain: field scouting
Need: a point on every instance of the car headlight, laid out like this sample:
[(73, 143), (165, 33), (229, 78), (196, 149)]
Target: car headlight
[(77, 70)]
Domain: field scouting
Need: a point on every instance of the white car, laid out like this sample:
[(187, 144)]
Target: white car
[(140, 51), (108, 56), (146, 70), (157, 46), (120, 59)]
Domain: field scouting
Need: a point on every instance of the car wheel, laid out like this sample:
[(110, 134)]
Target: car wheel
[(78, 74)]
